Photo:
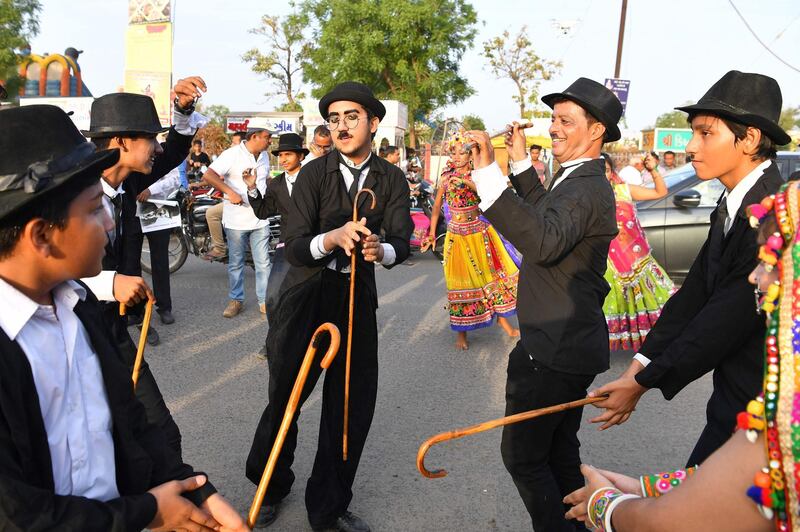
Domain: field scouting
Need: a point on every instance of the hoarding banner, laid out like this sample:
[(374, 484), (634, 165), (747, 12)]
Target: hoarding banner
[(620, 87)]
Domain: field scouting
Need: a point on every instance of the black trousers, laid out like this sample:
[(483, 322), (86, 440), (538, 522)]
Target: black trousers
[(721, 411), (159, 261), (542, 454), (147, 390), (329, 489), (280, 267)]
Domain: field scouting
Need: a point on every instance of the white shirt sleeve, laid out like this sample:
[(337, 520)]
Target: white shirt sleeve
[(166, 185), (389, 255), (642, 359), (102, 285), (491, 183), (222, 164), (317, 249), (517, 167), (188, 125)]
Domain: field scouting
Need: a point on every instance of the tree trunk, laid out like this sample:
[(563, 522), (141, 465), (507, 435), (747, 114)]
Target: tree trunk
[(412, 134)]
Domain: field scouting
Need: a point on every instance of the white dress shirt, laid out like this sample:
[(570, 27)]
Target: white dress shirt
[(70, 387), (229, 165), (318, 250), (734, 201), (491, 182), (102, 285)]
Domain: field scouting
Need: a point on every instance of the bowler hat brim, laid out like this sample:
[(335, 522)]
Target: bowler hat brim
[(304, 151), (612, 130), (770, 128), (346, 94), (121, 131), (90, 167)]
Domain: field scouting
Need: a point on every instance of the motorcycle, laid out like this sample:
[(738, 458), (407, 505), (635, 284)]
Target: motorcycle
[(421, 197), (193, 234)]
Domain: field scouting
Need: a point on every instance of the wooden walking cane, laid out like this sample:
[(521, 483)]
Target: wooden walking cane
[(488, 425), (350, 325), (294, 400), (148, 312)]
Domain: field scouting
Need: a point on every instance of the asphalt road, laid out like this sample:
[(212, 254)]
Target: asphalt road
[(216, 389)]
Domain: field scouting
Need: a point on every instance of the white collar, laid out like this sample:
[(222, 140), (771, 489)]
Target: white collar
[(243, 146), (736, 196), (359, 166), (291, 177), (18, 308), (576, 162), (110, 191)]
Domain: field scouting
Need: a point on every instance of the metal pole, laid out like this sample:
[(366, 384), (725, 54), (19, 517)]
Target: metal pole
[(621, 37)]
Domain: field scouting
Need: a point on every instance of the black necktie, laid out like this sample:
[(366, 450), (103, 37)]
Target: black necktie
[(556, 177), (356, 173), (716, 239)]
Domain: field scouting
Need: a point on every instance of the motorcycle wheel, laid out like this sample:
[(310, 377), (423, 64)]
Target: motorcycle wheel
[(178, 251)]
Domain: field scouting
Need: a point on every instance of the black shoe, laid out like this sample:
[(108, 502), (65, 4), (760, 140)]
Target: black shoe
[(166, 317), (347, 522), (152, 335), (133, 319), (266, 515)]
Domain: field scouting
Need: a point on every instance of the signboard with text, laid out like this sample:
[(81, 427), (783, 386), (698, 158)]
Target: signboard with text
[(671, 139), (620, 88), (280, 124)]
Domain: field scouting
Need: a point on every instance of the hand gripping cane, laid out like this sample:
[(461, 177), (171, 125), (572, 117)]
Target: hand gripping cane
[(148, 313), (488, 425), (350, 325), (291, 408)]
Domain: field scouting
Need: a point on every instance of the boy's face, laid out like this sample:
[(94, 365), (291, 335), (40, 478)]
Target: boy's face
[(290, 160), (139, 153), (713, 147), (79, 247)]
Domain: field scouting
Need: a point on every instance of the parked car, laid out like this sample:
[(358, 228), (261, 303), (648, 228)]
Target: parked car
[(678, 224)]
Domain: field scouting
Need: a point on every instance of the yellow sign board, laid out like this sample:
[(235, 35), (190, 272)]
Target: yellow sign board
[(148, 64)]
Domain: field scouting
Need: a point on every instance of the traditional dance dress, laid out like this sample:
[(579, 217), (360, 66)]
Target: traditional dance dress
[(639, 286), (480, 274)]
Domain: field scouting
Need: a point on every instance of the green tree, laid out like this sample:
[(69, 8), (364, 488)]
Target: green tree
[(672, 119), (216, 114), (406, 50), (514, 58), (19, 23), (790, 118), (282, 63), (473, 122)]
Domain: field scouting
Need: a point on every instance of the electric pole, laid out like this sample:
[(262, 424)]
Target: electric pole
[(621, 37)]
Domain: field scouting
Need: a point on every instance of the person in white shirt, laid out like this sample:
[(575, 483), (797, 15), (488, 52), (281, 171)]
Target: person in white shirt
[(632, 174), (76, 451), (322, 144), (242, 226)]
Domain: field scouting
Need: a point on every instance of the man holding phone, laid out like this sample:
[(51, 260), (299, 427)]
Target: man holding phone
[(242, 227)]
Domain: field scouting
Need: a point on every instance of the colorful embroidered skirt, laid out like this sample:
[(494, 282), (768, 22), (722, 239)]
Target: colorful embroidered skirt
[(634, 303), (480, 275)]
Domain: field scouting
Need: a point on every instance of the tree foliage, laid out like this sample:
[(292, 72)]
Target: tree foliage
[(672, 119), (473, 122), (287, 48), (214, 137), (216, 114), (19, 23), (514, 58), (406, 50)]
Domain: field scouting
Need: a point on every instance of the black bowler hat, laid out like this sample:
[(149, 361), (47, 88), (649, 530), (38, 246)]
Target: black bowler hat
[(43, 152), (352, 91), (124, 114), (600, 102), (750, 99), (290, 142)]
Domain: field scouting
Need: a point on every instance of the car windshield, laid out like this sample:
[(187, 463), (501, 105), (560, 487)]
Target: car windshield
[(674, 177)]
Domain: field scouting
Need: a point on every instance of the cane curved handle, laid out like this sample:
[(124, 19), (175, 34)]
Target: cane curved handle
[(333, 347), (291, 408), (488, 425), (355, 201)]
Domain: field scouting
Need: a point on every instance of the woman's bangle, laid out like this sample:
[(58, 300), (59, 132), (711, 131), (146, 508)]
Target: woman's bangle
[(601, 504)]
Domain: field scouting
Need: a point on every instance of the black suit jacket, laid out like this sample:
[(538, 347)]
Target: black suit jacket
[(276, 200), (563, 236), (711, 322), (320, 203), (176, 148), (143, 458)]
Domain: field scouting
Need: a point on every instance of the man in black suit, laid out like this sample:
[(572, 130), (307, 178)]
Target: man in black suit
[(129, 122), (76, 451), (710, 323), (319, 241), (563, 234)]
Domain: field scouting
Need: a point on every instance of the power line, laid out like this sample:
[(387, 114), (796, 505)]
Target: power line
[(767, 48)]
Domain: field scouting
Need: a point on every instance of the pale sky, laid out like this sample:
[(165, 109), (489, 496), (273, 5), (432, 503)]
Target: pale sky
[(673, 51)]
